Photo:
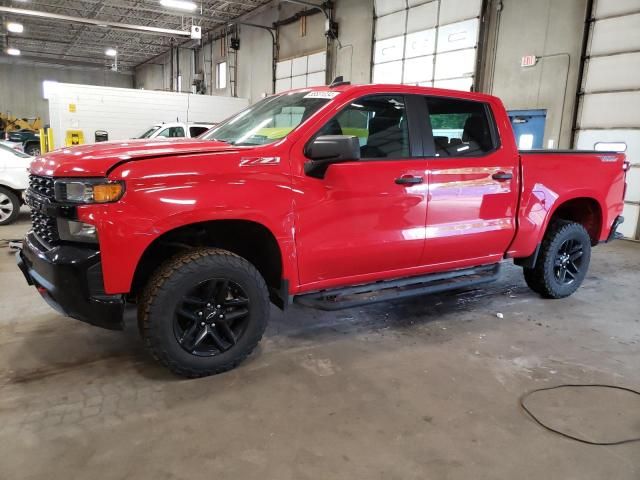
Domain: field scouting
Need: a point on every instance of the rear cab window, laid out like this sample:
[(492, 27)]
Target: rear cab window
[(461, 128)]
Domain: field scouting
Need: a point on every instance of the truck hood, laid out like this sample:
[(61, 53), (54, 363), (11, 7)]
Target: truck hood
[(97, 159)]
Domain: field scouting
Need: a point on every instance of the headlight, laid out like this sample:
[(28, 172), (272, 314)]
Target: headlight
[(74, 231), (97, 190)]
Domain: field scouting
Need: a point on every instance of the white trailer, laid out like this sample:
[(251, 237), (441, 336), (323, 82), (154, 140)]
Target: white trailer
[(126, 113)]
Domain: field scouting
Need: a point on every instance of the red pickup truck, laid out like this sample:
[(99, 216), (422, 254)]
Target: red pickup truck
[(331, 197)]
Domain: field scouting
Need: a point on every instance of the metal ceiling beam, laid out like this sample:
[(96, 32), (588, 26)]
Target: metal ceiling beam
[(95, 22)]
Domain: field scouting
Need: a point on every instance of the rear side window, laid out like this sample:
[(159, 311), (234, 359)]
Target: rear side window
[(461, 128), (195, 131), (379, 122)]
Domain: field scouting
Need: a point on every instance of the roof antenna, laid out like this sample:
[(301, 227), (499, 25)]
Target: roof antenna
[(338, 81)]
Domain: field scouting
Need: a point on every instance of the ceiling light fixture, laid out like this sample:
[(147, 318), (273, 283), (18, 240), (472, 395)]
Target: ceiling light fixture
[(14, 27), (111, 52), (13, 51), (179, 4)]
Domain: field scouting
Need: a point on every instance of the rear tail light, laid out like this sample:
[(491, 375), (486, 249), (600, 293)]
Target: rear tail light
[(626, 165)]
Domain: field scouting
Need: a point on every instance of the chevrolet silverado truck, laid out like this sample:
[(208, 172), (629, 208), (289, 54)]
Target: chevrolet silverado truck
[(330, 197)]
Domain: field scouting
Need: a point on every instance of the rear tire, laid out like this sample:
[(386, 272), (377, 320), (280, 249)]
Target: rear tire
[(9, 206), (203, 312), (563, 261)]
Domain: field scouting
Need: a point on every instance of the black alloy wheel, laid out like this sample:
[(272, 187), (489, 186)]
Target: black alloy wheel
[(568, 261), (212, 317)]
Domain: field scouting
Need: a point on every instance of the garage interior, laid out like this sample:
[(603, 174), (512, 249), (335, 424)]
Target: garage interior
[(428, 387)]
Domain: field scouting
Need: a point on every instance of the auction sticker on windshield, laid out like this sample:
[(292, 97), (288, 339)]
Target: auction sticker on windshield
[(321, 94)]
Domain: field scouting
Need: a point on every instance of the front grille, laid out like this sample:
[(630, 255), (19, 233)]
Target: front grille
[(42, 185), (44, 226)]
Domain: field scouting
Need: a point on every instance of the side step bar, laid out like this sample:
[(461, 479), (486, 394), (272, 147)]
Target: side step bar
[(386, 290)]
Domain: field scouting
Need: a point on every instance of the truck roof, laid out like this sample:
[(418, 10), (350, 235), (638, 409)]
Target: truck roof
[(399, 88)]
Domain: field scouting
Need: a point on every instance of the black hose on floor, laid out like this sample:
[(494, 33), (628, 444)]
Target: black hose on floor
[(566, 435)]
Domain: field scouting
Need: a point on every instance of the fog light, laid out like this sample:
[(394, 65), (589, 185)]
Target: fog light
[(73, 231)]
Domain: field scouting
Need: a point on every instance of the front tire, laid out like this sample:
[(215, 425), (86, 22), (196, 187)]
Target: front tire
[(563, 261), (9, 206), (203, 312)]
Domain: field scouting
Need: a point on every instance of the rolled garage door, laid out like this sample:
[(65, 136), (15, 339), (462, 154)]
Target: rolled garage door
[(429, 43), (608, 117)]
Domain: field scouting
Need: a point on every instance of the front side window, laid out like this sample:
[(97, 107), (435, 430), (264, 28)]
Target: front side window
[(172, 132), (379, 122), (270, 119), (461, 128)]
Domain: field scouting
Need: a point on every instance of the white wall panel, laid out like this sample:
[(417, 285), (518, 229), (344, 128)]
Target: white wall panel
[(422, 17), (388, 72), (391, 25), (315, 79), (610, 110), (283, 84), (608, 8), (458, 35), (388, 50), (587, 140), (613, 72), (418, 69), (630, 214), (618, 34), (420, 43), (384, 7), (456, 10), (455, 64), (317, 62), (299, 81), (283, 69), (633, 185), (104, 108), (299, 66), (463, 84)]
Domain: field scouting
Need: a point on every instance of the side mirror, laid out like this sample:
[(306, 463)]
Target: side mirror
[(329, 149)]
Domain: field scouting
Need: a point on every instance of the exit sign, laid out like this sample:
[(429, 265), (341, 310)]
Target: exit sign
[(528, 61)]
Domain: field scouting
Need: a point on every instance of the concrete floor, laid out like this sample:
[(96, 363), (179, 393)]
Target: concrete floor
[(424, 388)]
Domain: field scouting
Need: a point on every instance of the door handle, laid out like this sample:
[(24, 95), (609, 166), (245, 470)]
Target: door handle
[(502, 176), (408, 180)]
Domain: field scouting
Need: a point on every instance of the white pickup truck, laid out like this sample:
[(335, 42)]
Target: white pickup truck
[(14, 179), (176, 130)]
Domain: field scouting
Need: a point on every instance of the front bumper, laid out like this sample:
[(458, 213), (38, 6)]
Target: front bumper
[(69, 278)]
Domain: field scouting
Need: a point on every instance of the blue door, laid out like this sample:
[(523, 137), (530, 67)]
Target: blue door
[(528, 127)]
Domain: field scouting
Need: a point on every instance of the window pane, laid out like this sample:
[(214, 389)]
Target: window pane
[(388, 72), (380, 124), (195, 131), (221, 75), (164, 133), (460, 127)]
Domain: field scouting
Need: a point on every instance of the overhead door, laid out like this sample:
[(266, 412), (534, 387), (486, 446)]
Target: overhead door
[(300, 72), (608, 117), (429, 43)]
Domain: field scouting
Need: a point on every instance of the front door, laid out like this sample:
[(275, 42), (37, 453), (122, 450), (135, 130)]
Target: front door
[(364, 219), (473, 190)]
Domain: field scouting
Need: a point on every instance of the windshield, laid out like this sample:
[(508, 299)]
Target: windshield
[(15, 152), (149, 132), (270, 119)]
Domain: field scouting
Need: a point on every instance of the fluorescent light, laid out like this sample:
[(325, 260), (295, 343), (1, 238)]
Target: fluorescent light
[(179, 4), (15, 27), (111, 52), (13, 51)]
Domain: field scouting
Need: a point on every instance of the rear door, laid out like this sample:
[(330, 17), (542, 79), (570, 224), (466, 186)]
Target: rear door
[(472, 185)]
